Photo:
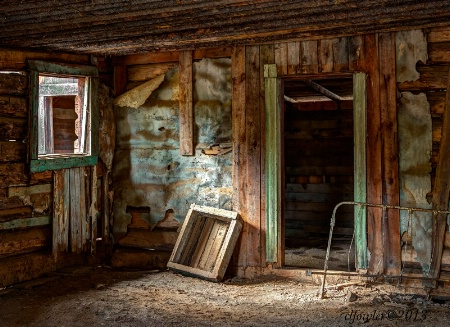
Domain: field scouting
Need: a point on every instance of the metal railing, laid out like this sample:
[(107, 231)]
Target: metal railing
[(364, 204)]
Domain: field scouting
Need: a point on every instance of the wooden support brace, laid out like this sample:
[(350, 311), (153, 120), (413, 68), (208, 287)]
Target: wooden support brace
[(441, 192), (324, 91), (186, 106)]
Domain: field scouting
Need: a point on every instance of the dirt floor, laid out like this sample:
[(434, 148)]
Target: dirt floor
[(98, 296), (342, 256)]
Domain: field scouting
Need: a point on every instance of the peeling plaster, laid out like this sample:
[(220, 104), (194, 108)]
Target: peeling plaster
[(148, 168), (411, 47), (415, 146), (137, 96)]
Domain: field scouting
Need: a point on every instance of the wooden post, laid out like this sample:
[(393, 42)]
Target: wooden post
[(273, 182), (253, 147), (390, 174), (370, 63), (239, 147), (359, 121), (186, 106), (441, 191)]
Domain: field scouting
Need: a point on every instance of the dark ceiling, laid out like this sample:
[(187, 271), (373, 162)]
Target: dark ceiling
[(117, 27)]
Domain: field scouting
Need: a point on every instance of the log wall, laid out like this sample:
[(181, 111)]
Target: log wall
[(26, 199)]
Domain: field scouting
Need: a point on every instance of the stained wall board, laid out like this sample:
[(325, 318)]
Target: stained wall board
[(206, 242)]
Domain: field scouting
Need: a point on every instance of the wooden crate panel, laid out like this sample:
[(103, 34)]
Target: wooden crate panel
[(206, 242)]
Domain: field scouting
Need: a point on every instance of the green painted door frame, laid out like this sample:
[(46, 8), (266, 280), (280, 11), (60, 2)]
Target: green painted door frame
[(273, 165)]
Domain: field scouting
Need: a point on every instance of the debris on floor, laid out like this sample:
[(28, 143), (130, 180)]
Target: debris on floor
[(100, 296)]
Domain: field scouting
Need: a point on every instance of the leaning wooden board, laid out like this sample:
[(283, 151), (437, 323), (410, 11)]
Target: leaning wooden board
[(206, 242)]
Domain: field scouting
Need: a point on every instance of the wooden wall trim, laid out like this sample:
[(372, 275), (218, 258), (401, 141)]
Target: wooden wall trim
[(239, 148), (359, 175), (273, 183), (186, 106), (172, 56)]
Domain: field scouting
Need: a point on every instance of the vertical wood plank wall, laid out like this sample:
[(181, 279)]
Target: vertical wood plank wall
[(358, 53)]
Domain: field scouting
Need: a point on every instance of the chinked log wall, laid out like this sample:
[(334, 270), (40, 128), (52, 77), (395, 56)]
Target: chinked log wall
[(26, 199)]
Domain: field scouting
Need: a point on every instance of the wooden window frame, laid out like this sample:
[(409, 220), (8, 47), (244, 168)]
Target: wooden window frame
[(39, 163)]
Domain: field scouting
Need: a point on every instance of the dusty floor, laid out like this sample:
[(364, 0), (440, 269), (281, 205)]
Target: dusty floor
[(87, 296), (342, 256)]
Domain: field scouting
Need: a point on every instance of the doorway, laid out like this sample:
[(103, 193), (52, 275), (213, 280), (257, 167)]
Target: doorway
[(318, 166)]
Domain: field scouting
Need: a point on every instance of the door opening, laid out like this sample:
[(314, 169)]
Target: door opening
[(318, 171)]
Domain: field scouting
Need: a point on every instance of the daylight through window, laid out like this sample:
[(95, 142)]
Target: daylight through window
[(63, 111)]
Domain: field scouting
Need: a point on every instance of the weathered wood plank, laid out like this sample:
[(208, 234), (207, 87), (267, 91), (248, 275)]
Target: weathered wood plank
[(41, 177), (13, 151), (439, 34), (441, 191), (432, 78), (370, 57), (325, 50), (437, 102), (200, 249), (211, 232), (309, 63), (216, 246), (84, 203), (74, 213), (13, 128), (173, 56), (29, 190), (293, 57), (253, 147), (239, 145), (24, 241), (186, 105), (273, 161), (281, 60), (13, 213), (25, 222), (390, 161), (340, 54), (355, 49), (266, 56), (193, 232), (439, 52), (13, 106), (13, 83), (17, 59), (13, 174), (360, 168), (120, 80)]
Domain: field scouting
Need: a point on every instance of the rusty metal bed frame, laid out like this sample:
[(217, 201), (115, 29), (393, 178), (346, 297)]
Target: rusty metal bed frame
[(410, 210)]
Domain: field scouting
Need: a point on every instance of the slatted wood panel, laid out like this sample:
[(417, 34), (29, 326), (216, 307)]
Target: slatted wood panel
[(206, 242), (72, 221)]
